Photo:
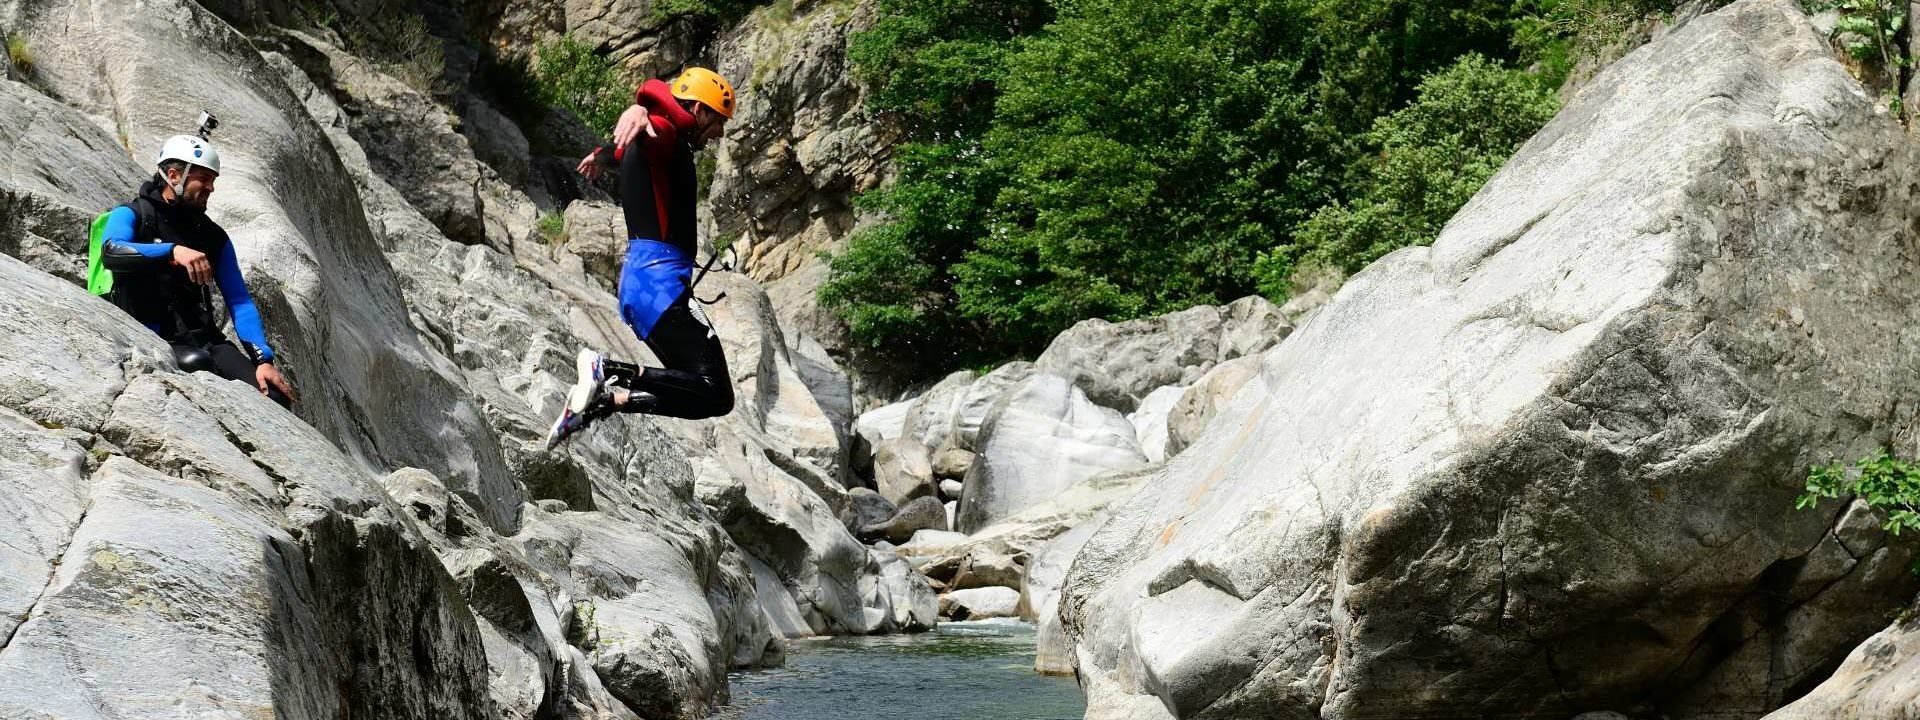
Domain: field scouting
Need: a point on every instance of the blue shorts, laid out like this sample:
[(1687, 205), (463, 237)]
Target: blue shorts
[(655, 276)]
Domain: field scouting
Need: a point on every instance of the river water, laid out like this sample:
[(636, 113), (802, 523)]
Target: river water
[(962, 671)]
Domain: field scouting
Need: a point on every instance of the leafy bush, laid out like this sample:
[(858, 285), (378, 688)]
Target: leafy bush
[(1884, 482), (19, 53), (552, 228), (570, 74)]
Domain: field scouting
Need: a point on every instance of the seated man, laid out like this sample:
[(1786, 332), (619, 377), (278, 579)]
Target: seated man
[(163, 251)]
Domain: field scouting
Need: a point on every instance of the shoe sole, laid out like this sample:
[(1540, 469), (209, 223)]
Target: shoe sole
[(578, 396)]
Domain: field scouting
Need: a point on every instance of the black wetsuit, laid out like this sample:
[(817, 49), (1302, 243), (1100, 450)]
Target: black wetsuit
[(694, 382), (138, 248)]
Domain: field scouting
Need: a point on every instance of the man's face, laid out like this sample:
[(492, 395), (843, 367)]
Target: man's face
[(708, 126), (199, 185)]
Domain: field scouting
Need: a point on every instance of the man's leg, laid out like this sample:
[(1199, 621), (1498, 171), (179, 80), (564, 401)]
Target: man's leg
[(694, 384)]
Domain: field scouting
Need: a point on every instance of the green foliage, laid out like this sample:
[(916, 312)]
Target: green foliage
[(714, 12), (552, 228), (19, 53), (1421, 164), (1871, 32), (400, 43), (936, 63), (570, 74), (1884, 482), (509, 81)]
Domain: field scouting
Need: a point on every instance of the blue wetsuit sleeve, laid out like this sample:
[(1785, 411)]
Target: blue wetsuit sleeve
[(120, 251), (246, 317)]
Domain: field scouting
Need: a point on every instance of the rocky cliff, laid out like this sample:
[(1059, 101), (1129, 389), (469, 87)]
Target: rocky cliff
[(1547, 466), (402, 542)]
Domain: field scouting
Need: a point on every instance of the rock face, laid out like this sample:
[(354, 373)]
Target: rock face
[(1041, 438), (1118, 364), (1875, 683), (980, 603), (409, 547), (170, 531), (798, 151), (1547, 466), (1198, 404)]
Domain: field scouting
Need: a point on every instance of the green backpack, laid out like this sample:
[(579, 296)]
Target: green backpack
[(99, 278)]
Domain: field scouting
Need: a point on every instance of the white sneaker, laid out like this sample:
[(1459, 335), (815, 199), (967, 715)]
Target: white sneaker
[(587, 400)]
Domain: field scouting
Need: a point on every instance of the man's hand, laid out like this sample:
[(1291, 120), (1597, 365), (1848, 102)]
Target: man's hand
[(590, 167), (632, 121), (199, 268), (267, 376)]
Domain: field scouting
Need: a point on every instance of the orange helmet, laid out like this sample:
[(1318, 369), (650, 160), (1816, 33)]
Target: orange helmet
[(707, 88)]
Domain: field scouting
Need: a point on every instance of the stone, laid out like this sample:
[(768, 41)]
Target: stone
[(1150, 421), (1580, 418), (930, 419), (902, 471), (951, 489), (922, 513), (1042, 438), (1198, 404), (866, 508), (1040, 598), (801, 146), (979, 400), (596, 232), (985, 568), (980, 603), (951, 464), (1119, 364), (872, 428)]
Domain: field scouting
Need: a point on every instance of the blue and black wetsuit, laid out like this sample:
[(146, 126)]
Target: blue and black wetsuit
[(138, 247), (658, 195)]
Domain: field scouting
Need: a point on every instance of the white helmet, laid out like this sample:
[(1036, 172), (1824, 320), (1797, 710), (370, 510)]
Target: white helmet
[(190, 150)]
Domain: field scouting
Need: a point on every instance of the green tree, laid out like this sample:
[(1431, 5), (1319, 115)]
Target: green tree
[(1422, 163), (1132, 157)]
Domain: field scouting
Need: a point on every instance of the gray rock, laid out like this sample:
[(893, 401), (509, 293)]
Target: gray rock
[(985, 568), (1042, 438), (596, 231), (872, 428), (48, 196), (902, 471), (980, 603), (1198, 404), (1040, 598), (1118, 364), (1579, 418), (923, 513), (950, 464), (801, 146), (930, 419), (979, 400), (951, 489), (867, 508), (1150, 420)]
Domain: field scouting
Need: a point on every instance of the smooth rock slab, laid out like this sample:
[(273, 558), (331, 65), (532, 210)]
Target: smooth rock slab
[(1536, 469), (980, 603)]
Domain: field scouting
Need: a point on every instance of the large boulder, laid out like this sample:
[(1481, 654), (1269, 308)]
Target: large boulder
[(1548, 465), (1041, 438), (903, 471), (1040, 598), (170, 531), (1198, 404), (1878, 679), (332, 302), (1118, 364), (980, 603)]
